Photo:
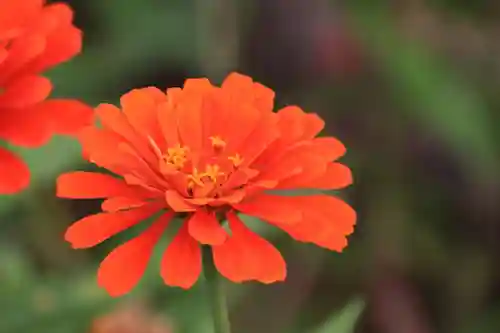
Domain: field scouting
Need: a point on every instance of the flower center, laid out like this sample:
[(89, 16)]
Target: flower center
[(204, 173)]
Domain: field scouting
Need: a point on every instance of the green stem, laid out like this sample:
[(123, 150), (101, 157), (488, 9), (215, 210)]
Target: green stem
[(216, 294)]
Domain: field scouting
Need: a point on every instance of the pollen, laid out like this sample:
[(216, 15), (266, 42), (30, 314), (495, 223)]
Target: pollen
[(236, 159), (176, 156), (217, 143), (195, 179), (213, 172)]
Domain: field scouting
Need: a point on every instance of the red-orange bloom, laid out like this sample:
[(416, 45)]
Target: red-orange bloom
[(33, 38), (209, 152)]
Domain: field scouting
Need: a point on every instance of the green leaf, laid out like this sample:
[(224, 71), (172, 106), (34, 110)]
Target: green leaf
[(430, 91), (345, 320)]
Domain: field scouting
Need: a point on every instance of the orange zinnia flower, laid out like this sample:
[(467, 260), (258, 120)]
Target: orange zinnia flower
[(208, 153), (33, 38)]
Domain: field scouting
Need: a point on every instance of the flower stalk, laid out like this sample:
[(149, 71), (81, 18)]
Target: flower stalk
[(216, 294)]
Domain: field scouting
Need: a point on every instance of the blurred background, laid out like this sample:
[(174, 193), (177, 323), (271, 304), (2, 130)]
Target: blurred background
[(410, 86)]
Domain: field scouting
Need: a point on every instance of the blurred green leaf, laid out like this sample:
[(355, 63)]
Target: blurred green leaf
[(434, 94), (344, 321)]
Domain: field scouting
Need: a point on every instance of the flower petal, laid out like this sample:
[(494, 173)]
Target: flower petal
[(243, 89), (206, 229), (67, 116), (177, 202), (116, 204), (100, 147), (15, 173), (246, 256), (24, 127), (140, 107), (327, 221), (95, 229), (271, 207), (181, 262), (123, 268), (297, 125), (64, 41), (90, 185), (114, 120), (22, 51), (190, 117), (16, 13), (25, 91), (335, 176)]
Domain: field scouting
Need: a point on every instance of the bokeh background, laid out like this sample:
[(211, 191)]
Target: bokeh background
[(411, 87)]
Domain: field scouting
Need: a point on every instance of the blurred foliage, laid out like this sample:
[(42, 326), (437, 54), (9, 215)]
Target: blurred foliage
[(422, 142)]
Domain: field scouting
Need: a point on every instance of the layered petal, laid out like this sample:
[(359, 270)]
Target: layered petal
[(271, 207), (123, 268), (246, 256), (22, 51), (206, 229), (334, 176), (63, 39), (115, 204), (181, 262), (140, 106), (15, 175), (25, 92), (25, 127), (91, 185), (242, 89), (14, 14), (94, 229), (327, 221), (66, 116), (296, 125)]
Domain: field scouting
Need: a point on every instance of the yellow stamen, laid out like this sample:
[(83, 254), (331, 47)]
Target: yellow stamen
[(217, 143), (195, 178), (212, 172), (176, 156), (236, 159)]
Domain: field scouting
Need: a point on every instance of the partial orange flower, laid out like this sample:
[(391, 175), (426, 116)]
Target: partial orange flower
[(33, 37), (208, 153)]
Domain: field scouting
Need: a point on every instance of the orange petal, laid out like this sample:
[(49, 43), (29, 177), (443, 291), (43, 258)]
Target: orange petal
[(114, 120), (22, 52), (26, 127), (327, 147), (243, 89), (115, 204), (264, 133), (100, 146), (231, 120), (296, 125), (181, 262), (246, 256), (64, 40), (206, 229), (67, 116), (16, 13), (190, 112), (168, 114), (95, 229), (295, 163), (178, 203), (90, 185), (15, 173), (327, 221), (25, 91), (335, 176), (140, 107), (123, 268), (270, 207)]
